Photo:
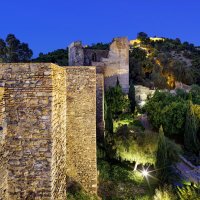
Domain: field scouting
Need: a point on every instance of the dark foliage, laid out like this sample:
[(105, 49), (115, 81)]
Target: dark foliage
[(59, 57), (12, 50)]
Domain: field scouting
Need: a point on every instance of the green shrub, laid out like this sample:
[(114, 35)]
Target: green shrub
[(76, 192), (104, 170), (189, 193), (167, 154), (165, 193), (116, 100), (119, 173), (143, 197)]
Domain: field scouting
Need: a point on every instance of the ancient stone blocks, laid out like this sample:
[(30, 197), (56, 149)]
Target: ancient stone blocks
[(40, 115), (81, 129)]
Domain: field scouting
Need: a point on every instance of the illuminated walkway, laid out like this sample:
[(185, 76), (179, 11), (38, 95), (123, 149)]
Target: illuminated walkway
[(189, 172)]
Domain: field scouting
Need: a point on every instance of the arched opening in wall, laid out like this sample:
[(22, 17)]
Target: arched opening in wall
[(94, 57)]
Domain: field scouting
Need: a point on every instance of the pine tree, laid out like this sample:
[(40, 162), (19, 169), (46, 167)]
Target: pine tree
[(190, 136)]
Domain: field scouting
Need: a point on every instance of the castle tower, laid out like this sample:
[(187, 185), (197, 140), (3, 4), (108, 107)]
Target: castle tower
[(117, 64), (76, 54), (111, 64)]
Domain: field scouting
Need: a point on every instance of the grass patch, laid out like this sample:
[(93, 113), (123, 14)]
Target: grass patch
[(118, 181), (126, 119)]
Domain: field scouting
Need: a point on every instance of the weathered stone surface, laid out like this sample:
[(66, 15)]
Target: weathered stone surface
[(100, 106), (114, 62), (81, 126), (76, 54), (59, 134), (41, 107), (117, 64), (142, 93)]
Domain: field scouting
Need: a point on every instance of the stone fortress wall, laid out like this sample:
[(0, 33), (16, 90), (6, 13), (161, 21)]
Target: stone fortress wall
[(110, 65), (48, 110), (113, 62), (49, 117), (81, 129)]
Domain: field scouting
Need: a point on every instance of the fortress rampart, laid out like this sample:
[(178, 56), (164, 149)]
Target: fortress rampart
[(48, 130)]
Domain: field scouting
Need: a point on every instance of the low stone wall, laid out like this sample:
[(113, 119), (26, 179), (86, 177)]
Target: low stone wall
[(81, 126)]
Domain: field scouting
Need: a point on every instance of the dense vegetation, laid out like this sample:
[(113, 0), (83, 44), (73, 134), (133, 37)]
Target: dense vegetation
[(129, 149), (178, 115), (99, 46), (159, 63), (59, 56), (12, 50), (137, 162)]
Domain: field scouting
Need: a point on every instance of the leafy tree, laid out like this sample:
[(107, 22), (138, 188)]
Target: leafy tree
[(2, 51), (155, 105), (137, 58), (12, 50), (133, 145), (174, 57), (131, 96), (173, 120), (59, 56), (190, 135), (116, 100), (195, 94), (138, 54), (99, 46), (142, 36), (167, 110), (160, 81)]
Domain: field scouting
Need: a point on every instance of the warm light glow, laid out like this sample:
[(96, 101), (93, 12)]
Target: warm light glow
[(155, 39), (145, 173)]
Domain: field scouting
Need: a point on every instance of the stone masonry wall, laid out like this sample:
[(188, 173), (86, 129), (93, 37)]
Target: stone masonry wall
[(81, 126), (117, 64), (50, 130), (76, 54), (28, 94), (59, 134), (90, 53), (100, 106), (3, 171)]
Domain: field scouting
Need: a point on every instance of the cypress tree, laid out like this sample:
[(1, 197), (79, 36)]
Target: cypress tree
[(109, 121), (131, 96), (161, 157), (190, 135)]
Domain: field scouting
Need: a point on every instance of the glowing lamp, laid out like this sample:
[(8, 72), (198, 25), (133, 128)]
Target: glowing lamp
[(145, 173)]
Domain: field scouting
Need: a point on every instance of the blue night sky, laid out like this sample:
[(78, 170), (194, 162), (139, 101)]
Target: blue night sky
[(47, 25)]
